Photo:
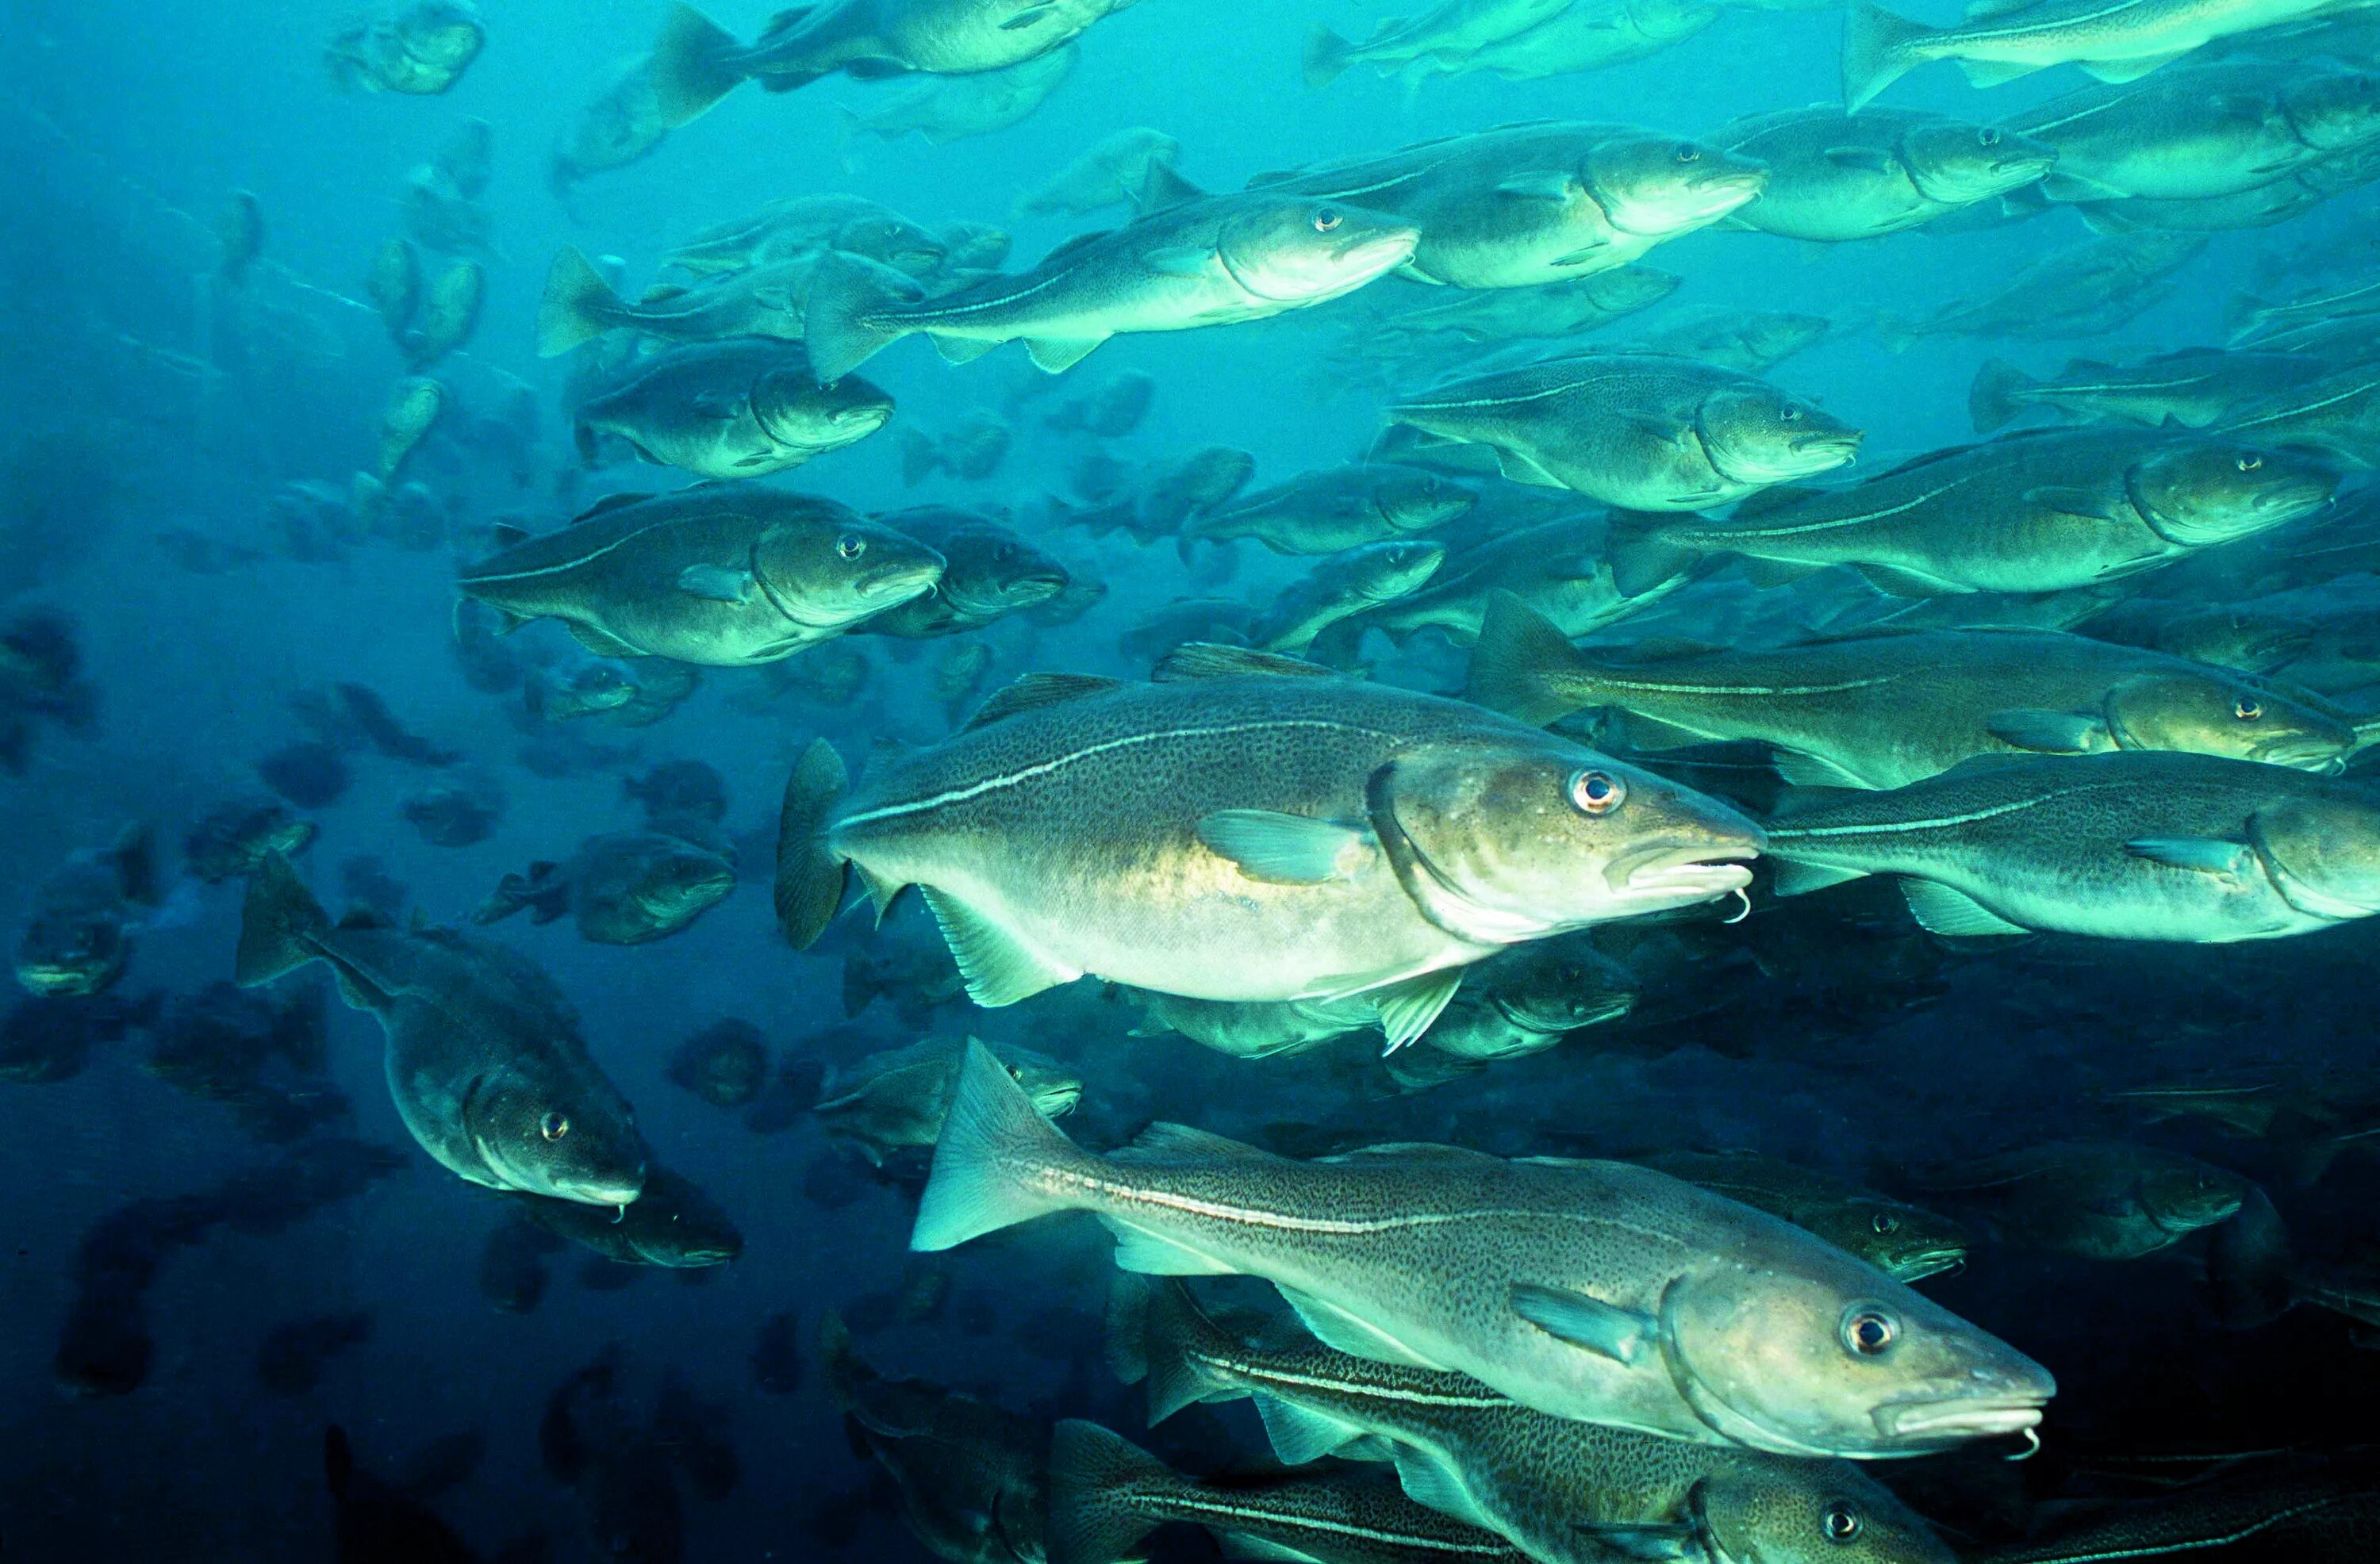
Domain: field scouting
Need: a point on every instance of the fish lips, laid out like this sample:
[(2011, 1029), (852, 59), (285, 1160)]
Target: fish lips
[(1675, 874), (1917, 1425)]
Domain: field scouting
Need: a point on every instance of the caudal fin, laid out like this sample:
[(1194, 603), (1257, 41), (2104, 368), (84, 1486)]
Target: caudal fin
[(1878, 51), (1326, 58), (810, 875), (1154, 1329), (1097, 1481), (1517, 663), (579, 306), (920, 457), (1643, 558), (993, 1143), (1997, 395), (692, 65), (839, 326), (278, 924)]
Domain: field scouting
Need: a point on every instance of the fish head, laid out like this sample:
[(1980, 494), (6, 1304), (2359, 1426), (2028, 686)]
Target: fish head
[(1650, 185), (1755, 433), (2208, 714), (1632, 287), (992, 570), (2201, 491), (826, 571), (795, 410), (1384, 572), (72, 947), (1559, 985), (442, 35), (2322, 851), (601, 687), (1507, 839), (1299, 251), (2245, 639), (973, 247), (1959, 165), (1052, 1084), (679, 883), (894, 241), (1788, 1345), (1906, 1242), (2334, 110), (1780, 334), (2183, 1194), (1417, 501), (553, 1131), (1806, 1513)]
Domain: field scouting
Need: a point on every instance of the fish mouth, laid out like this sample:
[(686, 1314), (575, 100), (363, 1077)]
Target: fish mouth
[(2305, 754), (1942, 1423), (900, 579), (1834, 447), (1377, 251), (1681, 875), (50, 978), (1928, 1262), (603, 1192)]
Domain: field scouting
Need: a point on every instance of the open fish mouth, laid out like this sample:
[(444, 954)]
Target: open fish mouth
[(1932, 1423), (1930, 1262), (1694, 873)]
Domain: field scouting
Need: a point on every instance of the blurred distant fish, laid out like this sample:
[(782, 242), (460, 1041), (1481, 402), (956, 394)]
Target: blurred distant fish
[(394, 286), (622, 124), (1907, 1243), (239, 236), (1336, 509), (797, 225), (422, 47), (988, 571), (971, 451), (449, 314), (626, 888), (1751, 342), (1345, 583), (2096, 1200), (1110, 412), (1547, 310), (951, 108), (895, 1098), (412, 406), (1112, 171), (2194, 387), (1449, 32), (76, 940), (2079, 291), (578, 305)]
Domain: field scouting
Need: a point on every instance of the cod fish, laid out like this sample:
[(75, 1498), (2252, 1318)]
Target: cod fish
[(2123, 846), (1906, 1242), (1521, 1002), (1441, 37), (1525, 204), (1360, 578), (1885, 709), (2082, 290), (793, 226), (1594, 1291), (1195, 260), (1591, 34), (723, 575), (766, 300), (1547, 310), (988, 572), (413, 406), (2298, 1506), (733, 409), (624, 887), (1750, 342), (947, 109), (420, 48), (2003, 40), (2195, 387), (1641, 431), (2036, 512), (1564, 1492), (617, 126), (485, 1060), (896, 1098), (1251, 827), (1106, 1493), (1110, 171), (1834, 176), (1338, 508), (2338, 412), (696, 62), (79, 935), (1254, 1031), (673, 1224), (2095, 1200)]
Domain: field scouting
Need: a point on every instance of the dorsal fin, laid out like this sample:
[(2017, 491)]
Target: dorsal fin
[(1164, 187), (1034, 691), (1209, 660), (608, 503), (1065, 248)]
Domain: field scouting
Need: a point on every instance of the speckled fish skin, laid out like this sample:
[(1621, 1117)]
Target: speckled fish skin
[(1557, 1488), (2034, 513), (1883, 709), (2124, 846), (1639, 430), (1834, 177), (1344, 584), (1074, 829), (1682, 1313), (1525, 204), (723, 575), (741, 408)]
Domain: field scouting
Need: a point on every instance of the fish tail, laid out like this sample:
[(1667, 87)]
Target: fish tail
[(1153, 1325), (511, 894), (1098, 1481), (920, 457), (579, 306), (810, 875), (837, 326), (278, 924), (1644, 558), (1997, 395), (849, 127), (1878, 50), (1325, 58), (692, 65), (1517, 663), (993, 1143)]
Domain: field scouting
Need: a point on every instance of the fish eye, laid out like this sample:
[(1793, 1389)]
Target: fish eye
[(1989, 138), (851, 545), (1325, 220), (1869, 1331), (1597, 793), (553, 1126), (1016, 1073), (1842, 1522), (2247, 708), (1884, 1223), (1790, 414), (2250, 462), (1689, 152)]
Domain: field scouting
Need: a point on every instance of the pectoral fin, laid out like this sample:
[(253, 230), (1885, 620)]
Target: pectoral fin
[(1621, 1335), (715, 582), (1940, 910), (2051, 732), (1407, 1008), (2205, 854), (1286, 849), (1179, 261)]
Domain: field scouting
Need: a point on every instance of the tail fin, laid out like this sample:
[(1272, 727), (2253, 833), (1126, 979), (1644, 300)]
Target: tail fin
[(1095, 1478), (1516, 663), (1153, 1324), (1642, 559), (1995, 398), (1326, 58), (278, 924), (993, 1140), (1877, 51), (920, 457), (512, 893), (690, 68), (579, 306), (810, 877), (839, 333)]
